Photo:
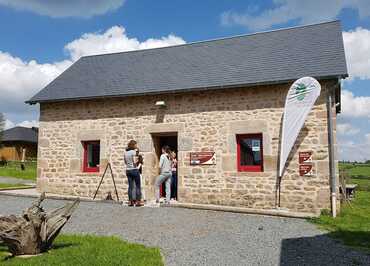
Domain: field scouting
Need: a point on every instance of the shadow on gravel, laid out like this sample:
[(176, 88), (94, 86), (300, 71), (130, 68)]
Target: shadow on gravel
[(322, 250)]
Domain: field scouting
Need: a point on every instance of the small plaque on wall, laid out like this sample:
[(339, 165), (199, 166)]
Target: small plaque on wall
[(305, 157), (305, 170), (203, 158)]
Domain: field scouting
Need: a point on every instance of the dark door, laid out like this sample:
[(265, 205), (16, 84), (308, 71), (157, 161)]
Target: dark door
[(161, 140)]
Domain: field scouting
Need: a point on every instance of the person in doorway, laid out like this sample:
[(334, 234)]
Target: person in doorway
[(133, 174), (174, 176), (165, 174), (139, 166)]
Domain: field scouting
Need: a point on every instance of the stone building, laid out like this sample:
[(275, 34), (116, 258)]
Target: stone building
[(223, 97)]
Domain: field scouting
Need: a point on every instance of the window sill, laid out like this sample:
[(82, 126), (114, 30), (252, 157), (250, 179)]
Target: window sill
[(88, 173)]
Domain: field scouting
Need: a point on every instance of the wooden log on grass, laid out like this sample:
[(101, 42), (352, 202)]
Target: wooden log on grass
[(34, 231)]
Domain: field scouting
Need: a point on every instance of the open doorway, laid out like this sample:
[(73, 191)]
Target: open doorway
[(160, 140)]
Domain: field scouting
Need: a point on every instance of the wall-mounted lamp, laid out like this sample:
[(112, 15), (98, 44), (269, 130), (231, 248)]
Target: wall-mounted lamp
[(160, 104)]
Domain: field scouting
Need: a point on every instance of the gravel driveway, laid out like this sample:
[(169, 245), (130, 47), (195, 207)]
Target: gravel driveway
[(198, 237)]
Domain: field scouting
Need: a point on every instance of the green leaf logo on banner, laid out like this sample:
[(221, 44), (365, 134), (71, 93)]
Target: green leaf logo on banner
[(300, 91)]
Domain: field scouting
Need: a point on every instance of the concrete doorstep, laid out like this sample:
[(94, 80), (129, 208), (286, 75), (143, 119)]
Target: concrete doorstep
[(268, 212)]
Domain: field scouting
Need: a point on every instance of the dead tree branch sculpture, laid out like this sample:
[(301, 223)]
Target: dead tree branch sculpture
[(35, 230)]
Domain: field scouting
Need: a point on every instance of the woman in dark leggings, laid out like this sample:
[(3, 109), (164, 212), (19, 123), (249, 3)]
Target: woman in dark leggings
[(133, 174), (174, 176)]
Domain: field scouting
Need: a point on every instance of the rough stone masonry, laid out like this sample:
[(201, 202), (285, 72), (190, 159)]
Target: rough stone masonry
[(204, 121)]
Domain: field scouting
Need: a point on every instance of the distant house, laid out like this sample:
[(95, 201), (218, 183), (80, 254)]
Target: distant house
[(18, 143), (218, 104)]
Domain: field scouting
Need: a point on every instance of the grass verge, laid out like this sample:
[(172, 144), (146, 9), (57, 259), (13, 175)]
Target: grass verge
[(352, 226), (13, 169), (89, 250)]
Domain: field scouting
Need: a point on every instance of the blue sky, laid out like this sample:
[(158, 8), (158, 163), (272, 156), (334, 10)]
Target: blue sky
[(42, 38)]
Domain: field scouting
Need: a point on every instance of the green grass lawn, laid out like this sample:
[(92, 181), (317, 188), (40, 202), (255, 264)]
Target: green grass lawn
[(12, 186), (13, 169), (355, 170), (360, 171), (363, 183), (89, 250), (352, 226)]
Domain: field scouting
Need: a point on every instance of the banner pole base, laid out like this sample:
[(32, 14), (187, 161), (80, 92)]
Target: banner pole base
[(334, 205)]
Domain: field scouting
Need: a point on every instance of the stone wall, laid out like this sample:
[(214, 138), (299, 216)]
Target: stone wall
[(204, 121)]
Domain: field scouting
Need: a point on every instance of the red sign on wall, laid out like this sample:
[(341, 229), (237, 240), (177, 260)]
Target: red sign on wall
[(202, 158), (305, 170), (305, 157)]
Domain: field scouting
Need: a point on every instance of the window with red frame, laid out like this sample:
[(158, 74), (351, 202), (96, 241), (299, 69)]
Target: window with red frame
[(250, 152), (91, 156)]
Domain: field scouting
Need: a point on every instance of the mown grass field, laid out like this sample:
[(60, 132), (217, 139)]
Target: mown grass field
[(352, 226), (13, 169), (89, 250)]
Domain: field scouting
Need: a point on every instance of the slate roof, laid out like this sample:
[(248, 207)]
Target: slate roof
[(23, 134), (260, 58)]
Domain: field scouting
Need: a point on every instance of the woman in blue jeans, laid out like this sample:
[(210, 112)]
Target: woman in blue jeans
[(133, 174)]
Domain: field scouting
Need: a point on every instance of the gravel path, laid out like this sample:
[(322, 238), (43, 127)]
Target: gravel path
[(198, 237)]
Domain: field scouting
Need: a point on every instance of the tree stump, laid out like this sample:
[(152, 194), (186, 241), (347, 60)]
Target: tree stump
[(34, 231)]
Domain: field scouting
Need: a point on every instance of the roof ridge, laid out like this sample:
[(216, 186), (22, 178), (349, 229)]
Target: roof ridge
[(217, 39)]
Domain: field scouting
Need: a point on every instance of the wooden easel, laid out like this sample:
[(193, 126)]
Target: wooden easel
[(102, 178)]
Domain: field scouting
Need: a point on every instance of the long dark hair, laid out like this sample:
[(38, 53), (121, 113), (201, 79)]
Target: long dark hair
[(167, 149), (140, 159)]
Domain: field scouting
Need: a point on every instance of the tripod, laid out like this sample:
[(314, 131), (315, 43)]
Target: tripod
[(102, 178)]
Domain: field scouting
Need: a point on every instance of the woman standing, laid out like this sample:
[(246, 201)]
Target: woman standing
[(139, 166), (165, 174), (174, 176), (133, 174)]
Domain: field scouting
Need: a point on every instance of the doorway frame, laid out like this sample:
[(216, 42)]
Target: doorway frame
[(155, 136)]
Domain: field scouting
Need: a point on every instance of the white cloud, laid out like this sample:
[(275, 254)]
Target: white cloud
[(357, 47), (351, 151), (26, 123), (21, 79), (8, 124), (114, 40), (355, 106), (288, 10), (347, 129), (65, 8)]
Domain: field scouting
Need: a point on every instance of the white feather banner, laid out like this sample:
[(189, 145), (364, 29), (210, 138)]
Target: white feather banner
[(298, 104)]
